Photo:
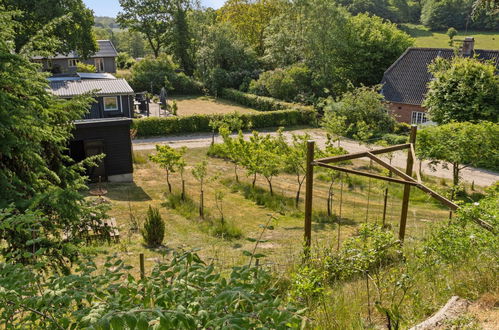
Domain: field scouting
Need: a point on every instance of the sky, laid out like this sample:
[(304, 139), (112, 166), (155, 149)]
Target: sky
[(112, 7)]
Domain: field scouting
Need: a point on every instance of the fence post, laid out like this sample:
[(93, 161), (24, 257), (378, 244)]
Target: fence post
[(309, 185), (385, 201), (142, 267), (407, 187)]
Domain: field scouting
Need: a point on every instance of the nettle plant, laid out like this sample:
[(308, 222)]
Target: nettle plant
[(184, 293)]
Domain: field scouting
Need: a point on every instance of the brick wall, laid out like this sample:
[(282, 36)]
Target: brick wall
[(403, 112)]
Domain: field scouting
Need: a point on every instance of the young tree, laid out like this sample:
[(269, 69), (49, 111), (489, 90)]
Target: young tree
[(334, 124), (153, 18), (228, 123), (460, 145), (463, 89), (170, 159), (200, 171), (295, 160)]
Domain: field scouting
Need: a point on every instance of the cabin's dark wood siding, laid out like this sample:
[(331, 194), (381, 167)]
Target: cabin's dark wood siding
[(117, 143), (125, 108)]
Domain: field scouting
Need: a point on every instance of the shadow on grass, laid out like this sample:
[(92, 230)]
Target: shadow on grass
[(278, 203), (124, 192), (416, 30)]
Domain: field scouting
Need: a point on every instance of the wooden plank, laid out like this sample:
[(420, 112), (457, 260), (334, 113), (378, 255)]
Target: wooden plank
[(407, 188), (309, 187), (369, 175), (363, 154)]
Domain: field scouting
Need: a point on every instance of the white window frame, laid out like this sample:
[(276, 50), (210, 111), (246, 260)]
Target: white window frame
[(73, 62), (110, 97), (418, 118)]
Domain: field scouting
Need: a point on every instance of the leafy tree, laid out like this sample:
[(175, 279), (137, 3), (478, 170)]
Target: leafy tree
[(362, 112), (124, 61), (170, 159), (451, 33), (225, 125), (200, 171), (250, 19), (180, 41), (154, 228), (460, 145), (223, 60), (153, 18), (463, 89), (153, 73), (131, 42), (36, 172), (51, 26)]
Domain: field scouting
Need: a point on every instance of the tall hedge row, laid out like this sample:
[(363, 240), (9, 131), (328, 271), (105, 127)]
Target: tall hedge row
[(157, 126), (257, 102)]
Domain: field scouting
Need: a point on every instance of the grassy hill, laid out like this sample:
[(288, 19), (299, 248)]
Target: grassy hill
[(426, 38)]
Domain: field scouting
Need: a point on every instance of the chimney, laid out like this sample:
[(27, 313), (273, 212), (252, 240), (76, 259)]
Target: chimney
[(468, 46)]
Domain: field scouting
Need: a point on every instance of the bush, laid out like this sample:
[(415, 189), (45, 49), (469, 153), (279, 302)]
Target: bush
[(394, 139), (154, 228), (226, 230), (185, 207), (155, 126), (82, 67), (290, 84), (257, 102), (182, 84), (124, 61)]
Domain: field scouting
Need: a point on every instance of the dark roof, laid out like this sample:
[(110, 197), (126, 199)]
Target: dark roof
[(406, 80), (101, 87), (103, 122), (106, 49)]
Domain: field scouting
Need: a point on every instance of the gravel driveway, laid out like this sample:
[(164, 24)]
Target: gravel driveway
[(479, 176)]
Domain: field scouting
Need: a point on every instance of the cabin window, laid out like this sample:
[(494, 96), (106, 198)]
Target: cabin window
[(72, 62), (110, 103), (99, 64), (418, 117)]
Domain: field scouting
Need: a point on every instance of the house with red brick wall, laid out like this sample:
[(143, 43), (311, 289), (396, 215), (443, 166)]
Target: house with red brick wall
[(405, 82)]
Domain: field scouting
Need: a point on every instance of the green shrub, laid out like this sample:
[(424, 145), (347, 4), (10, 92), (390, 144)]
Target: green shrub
[(154, 228), (185, 207), (394, 138), (261, 103), (226, 230), (156, 126)]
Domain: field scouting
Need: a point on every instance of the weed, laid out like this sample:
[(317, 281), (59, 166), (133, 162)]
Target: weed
[(139, 158), (185, 207)]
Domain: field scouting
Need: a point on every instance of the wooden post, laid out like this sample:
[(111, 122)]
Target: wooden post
[(407, 187), (142, 267), (309, 185), (385, 200)]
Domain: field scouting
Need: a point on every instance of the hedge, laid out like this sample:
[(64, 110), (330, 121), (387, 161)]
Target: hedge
[(157, 126), (257, 102)]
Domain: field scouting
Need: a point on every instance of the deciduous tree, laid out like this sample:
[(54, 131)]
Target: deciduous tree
[(168, 158)]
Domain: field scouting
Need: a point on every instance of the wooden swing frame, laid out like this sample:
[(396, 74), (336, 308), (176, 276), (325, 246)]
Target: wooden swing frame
[(405, 178)]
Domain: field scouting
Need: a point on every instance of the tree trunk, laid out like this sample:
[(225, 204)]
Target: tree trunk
[(201, 204), (235, 173), (213, 138), (168, 181), (270, 186), (183, 190), (300, 183), (254, 180), (455, 174)]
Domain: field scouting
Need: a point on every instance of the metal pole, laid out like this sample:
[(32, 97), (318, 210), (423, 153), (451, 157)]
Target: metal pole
[(142, 267), (309, 185), (407, 187)]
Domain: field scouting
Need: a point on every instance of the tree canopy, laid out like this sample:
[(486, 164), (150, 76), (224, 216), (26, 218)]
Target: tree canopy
[(463, 89)]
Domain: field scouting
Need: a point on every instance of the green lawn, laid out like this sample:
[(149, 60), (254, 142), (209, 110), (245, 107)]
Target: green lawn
[(426, 38)]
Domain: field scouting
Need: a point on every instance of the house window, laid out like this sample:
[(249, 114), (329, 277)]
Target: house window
[(418, 117), (99, 64), (110, 103), (72, 62)]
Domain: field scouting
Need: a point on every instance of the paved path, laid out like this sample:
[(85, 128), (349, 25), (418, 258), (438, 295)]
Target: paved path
[(479, 176)]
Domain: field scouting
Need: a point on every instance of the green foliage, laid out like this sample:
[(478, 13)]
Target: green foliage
[(464, 89), (170, 159), (155, 126), (290, 84), (183, 293), (440, 15), (47, 27), (372, 247), (261, 103), (82, 67), (225, 229), (360, 114), (41, 184), (461, 145), (226, 60), (124, 61), (306, 283), (174, 108), (451, 33), (154, 228), (392, 139), (185, 207), (153, 73)]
